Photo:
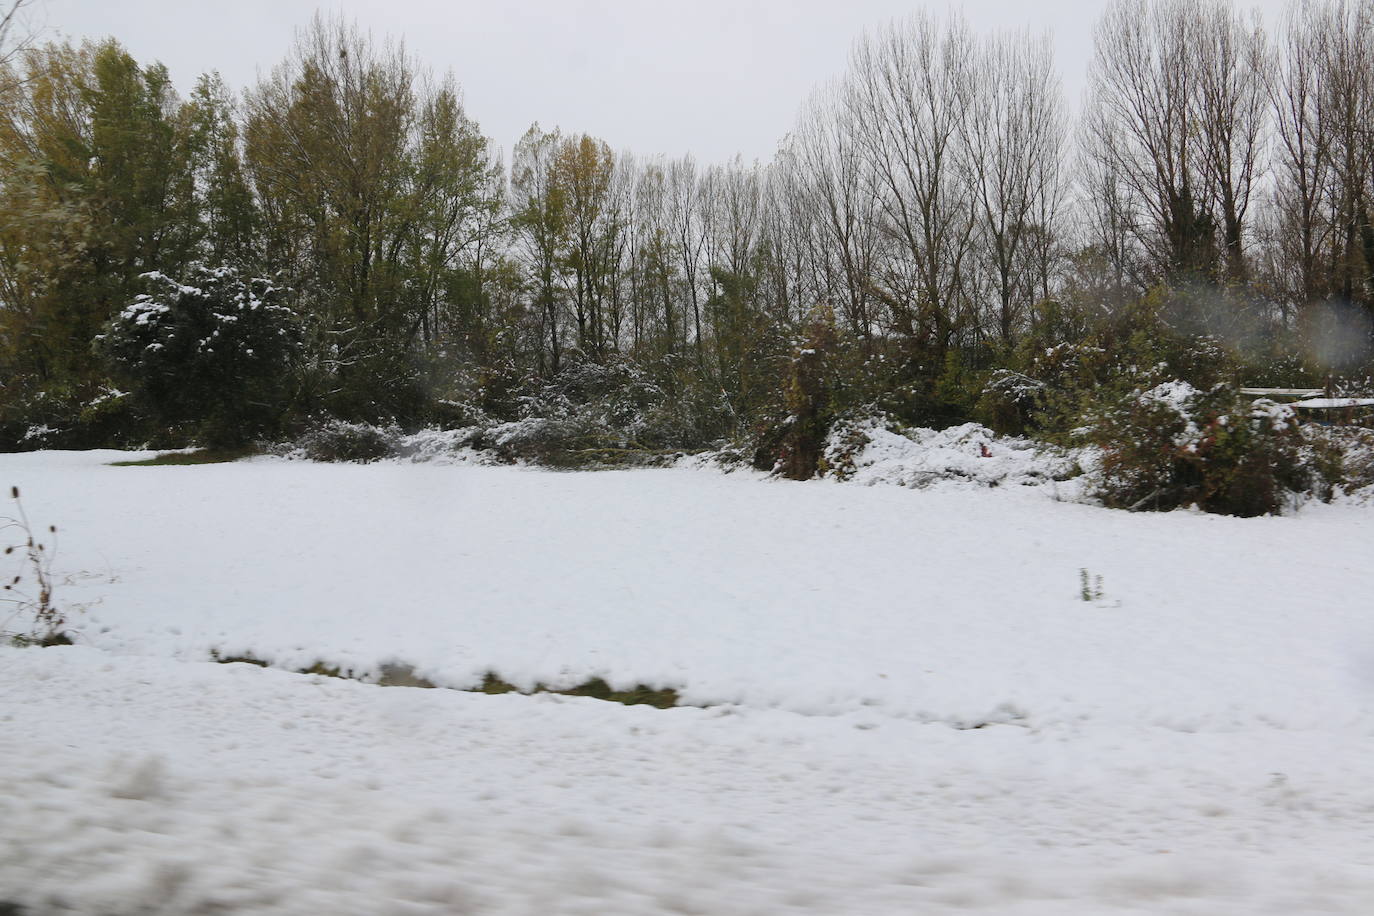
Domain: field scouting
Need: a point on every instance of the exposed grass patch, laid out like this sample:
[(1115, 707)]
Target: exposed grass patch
[(44, 642), (596, 688), (236, 659), (321, 668), (492, 683), (199, 456), (639, 695)]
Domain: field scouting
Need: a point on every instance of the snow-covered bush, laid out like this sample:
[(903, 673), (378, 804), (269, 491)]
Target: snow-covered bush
[(1174, 445), (209, 355), (588, 415), (67, 416), (1347, 454), (464, 445), (605, 413), (872, 448), (560, 441), (338, 440)]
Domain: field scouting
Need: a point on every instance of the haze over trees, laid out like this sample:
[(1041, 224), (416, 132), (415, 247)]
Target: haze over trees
[(937, 239)]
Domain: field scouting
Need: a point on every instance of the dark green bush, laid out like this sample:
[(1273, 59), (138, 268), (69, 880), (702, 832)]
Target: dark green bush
[(1173, 445), (211, 354), (71, 417)]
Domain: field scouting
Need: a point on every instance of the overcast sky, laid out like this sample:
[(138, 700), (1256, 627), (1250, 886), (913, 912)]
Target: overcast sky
[(710, 77)]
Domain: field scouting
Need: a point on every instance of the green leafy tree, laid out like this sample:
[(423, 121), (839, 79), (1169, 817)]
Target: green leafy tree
[(95, 193), (374, 189), (228, 217)]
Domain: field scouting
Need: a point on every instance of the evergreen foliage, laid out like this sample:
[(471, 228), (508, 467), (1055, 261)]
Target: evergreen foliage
[(211, 355)]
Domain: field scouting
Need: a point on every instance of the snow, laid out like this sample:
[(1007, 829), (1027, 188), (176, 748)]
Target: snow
[(905, 706), (144, 310), (867, 452), (1176, 395), (1330, 403)]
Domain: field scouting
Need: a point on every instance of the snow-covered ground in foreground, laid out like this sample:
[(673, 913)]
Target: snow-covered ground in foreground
[(1199, 740)]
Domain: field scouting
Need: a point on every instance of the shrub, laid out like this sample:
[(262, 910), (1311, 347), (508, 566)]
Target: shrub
[(211, 354), (1173, 445), (338, 440), (68, 417), (560, 441), (611, 413), (1009, 401), (798, 443), (1344, 453)]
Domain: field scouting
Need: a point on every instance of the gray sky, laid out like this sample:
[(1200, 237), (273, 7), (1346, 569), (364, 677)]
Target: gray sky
[(710, 77)]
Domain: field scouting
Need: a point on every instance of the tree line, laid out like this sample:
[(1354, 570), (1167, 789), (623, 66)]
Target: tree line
[(937, 237)]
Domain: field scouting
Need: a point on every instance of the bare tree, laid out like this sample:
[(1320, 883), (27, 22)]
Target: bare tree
[(734, 213), (1231, 108), (686, 196), (733, 198), (1140, 110), (10, 23), (836, 195), (15, 38), (1108, 215), (1013, 129), (793, 245), (909, 85), (582, 171), (619, 215), (1302, 163), (1177, 114), (654, 275), (1347, 86)]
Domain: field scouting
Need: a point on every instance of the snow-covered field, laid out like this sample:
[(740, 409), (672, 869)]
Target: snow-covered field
[(906, 706)]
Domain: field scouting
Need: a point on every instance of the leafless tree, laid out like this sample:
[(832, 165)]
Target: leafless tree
[(733, 208), (836, 194), (1139, 119), (15, 38), (909, 85), (733, 214), (1177, 113), (1234, 67), (1300, 231), (686, 196), (657, 321), (1013, 130), (1347, 85), (11, 21)]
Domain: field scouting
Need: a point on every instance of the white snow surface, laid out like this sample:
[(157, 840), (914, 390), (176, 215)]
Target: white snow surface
[(906, 705), (1327, 403), (868, 452)]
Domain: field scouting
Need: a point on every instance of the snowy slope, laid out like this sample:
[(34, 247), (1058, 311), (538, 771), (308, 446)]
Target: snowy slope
[(912, 710)]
